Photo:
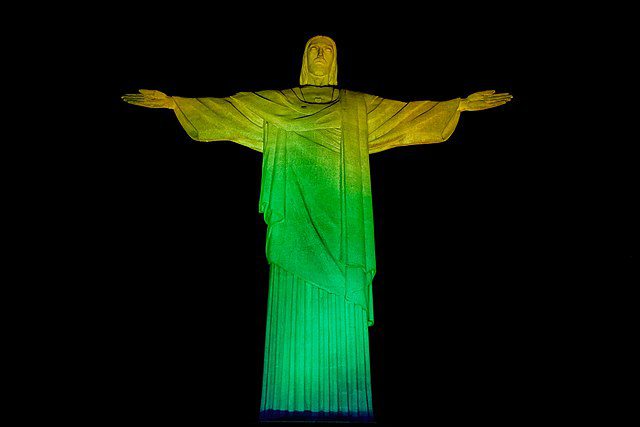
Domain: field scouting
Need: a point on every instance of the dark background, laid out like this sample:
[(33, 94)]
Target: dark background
[(485, 244)]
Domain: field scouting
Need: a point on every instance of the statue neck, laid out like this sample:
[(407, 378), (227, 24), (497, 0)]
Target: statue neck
[(318, 94), (319, 80)]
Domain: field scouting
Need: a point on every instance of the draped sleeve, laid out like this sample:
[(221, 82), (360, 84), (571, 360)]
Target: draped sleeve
[(221, 119), (396, 123)]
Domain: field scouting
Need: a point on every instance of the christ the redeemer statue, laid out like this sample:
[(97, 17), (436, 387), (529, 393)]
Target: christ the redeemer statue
[(316, 198)]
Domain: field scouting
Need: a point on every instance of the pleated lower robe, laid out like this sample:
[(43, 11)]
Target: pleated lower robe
[(316, 363)]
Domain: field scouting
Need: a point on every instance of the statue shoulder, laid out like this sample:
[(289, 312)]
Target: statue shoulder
[(294, 95), (366, 96), (370, 101), (263, 97), (262, 94)]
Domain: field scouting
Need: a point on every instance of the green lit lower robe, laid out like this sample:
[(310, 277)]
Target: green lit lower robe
[(316, 200)]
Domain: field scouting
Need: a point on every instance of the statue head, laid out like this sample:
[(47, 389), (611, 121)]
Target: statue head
[(319, 62)]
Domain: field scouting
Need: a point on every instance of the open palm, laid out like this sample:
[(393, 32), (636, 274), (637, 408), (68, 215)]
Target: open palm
[(150, 99), (484, 100)]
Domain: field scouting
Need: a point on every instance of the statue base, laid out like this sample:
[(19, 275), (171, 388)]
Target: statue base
[(311, 417)]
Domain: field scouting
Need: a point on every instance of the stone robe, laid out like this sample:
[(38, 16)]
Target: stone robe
[(316, 187), (316, 200)]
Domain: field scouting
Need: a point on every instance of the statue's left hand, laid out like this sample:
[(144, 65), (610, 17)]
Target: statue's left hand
[(150, 99), (484, 100)]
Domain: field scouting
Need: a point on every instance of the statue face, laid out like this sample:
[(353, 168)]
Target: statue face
[(320, 57)]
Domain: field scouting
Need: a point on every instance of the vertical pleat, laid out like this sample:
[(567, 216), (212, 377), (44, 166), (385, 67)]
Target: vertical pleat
[(316, 368), (299, 347), (279, 353), (352, 396), (360, 361), (325, 359), (316, 360), (290, 341), (333, 355), (269, 347)]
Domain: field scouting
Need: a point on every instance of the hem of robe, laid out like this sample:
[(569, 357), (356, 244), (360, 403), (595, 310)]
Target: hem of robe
[(308, 416), (316, 360)]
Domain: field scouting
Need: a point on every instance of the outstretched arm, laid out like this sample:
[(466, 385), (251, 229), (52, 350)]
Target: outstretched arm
[(397, 124), (208, 119)]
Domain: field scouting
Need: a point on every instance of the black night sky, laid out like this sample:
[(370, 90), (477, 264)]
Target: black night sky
[(482, 242)]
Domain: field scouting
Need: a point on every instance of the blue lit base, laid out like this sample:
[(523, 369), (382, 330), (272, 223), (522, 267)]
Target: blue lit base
[(308, 416)]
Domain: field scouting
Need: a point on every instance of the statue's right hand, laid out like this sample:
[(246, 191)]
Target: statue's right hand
[(150, 99)]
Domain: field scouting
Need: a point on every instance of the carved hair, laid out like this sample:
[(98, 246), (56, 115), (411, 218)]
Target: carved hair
[(333, 72)]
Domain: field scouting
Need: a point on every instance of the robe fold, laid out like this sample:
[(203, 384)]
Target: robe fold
[(316, 200)]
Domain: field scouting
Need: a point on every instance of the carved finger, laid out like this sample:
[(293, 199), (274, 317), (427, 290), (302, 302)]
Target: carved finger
[(139, 100), (486, 92), (132, 96), (141, 104), (498, 101), (497, 104), (498, 98), (135, 101), (494, 97)]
